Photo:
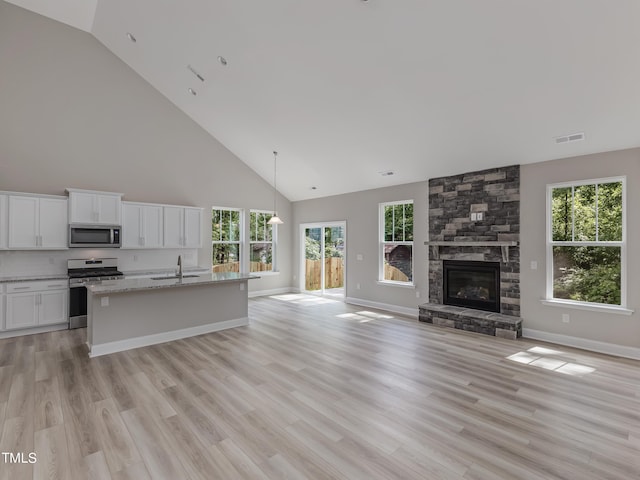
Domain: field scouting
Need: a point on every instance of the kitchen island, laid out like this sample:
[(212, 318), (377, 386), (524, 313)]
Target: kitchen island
[(130, 313)]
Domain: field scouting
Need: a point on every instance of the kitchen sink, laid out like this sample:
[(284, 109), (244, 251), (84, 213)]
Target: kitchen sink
[(173, 277)]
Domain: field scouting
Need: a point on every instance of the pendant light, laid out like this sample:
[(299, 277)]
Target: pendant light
[(275, 220)]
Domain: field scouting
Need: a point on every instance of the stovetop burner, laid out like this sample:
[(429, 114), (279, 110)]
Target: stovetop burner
[(93, 269)]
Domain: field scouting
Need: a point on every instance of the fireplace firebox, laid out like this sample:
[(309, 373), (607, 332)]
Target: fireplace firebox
[(472, 284)]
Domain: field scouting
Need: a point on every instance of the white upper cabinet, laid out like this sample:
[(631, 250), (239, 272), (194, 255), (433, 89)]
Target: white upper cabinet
[(53, 223), (142, 225), (102, 208), (4, 222), (37, 222), (182, 227), (192, 227)]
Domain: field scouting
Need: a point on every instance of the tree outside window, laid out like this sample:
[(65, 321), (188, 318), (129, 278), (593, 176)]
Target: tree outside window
[(261, 242), (396, 241), (587, 241), (226, 239)]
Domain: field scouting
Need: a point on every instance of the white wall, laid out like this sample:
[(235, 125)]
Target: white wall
[(74, 115), (586, 326), (360, 211)]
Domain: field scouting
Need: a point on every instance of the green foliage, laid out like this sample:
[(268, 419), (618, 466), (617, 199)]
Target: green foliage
[(225, 227), (311, 249), (398, 222), (587, 213)]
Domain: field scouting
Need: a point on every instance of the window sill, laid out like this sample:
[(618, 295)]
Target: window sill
[(266, 273), (396, 284), (594, 307)]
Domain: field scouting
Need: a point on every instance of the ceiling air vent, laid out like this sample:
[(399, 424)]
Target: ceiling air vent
[(574, 137), (193, 70)]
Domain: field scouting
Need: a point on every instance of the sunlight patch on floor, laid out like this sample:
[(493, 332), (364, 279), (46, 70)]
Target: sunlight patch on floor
[(302, 299), (535, 356), (364, 316)]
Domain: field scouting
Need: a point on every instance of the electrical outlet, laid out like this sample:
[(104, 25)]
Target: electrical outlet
[(135, 258), (534, 265), (417, 293), (104, 302), (479, 216), (242, 286), (357, 286), (566, 318)]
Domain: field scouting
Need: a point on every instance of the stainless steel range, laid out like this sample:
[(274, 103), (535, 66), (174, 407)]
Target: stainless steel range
[(82, 273)]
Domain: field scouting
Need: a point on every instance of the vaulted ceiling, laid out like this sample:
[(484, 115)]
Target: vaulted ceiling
[(346, 89)]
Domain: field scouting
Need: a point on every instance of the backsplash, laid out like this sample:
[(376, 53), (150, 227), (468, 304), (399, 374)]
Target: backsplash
[(38, 262)]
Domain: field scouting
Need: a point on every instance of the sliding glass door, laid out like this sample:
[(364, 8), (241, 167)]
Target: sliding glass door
[(323, 258)]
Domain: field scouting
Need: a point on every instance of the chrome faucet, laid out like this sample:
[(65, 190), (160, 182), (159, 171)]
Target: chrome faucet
[(179, 266)]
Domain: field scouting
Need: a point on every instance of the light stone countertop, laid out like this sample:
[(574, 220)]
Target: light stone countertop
[(165, 271), (134, 284), (34, 277)]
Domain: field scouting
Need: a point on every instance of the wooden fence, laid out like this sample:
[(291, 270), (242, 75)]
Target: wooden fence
[(333, 273), (392, 273), (235, 267)]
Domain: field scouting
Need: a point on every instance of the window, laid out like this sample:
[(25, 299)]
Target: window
[(261, 242), (396, 242), (226, 239), (586, 247)]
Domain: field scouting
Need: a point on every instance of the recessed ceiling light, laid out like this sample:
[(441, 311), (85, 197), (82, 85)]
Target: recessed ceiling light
[(131, 37), (222, 60), (386, 173), (192, 91)]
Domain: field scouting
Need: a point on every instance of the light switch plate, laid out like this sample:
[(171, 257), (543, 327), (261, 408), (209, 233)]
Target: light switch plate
[(359, 257), (104, 302), (474, 217)]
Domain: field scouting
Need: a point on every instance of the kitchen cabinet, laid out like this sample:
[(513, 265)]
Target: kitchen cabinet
[(2, 325), (182, 227), (4, 221), (37, 222), (142, 225), (32, 304), (90, 207)]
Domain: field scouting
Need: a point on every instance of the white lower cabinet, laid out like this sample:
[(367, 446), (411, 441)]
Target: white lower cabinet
[(32, 304), (22, 310), (2, 324)]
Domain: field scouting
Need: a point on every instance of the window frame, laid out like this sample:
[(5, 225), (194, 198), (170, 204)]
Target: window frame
[(274, 242), (240, 242), (382, 242), (550, 243)]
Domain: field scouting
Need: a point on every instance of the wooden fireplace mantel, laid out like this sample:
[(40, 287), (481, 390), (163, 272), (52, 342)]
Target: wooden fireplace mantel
[(504, 246)]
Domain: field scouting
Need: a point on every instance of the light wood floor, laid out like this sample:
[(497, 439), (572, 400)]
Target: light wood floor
[(317, 389)]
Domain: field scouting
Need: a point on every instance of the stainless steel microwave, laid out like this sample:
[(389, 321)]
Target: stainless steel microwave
[(94, 236)]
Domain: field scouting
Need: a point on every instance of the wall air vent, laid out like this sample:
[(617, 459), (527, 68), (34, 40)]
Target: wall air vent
[(574, 137)]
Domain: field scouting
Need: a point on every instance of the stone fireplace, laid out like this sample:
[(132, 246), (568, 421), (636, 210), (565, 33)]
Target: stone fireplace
[(474, 224)]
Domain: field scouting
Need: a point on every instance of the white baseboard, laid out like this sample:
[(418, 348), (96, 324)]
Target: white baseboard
[(409, 312), (146, 340), (584, 343), (31, 331), (273, 291)]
